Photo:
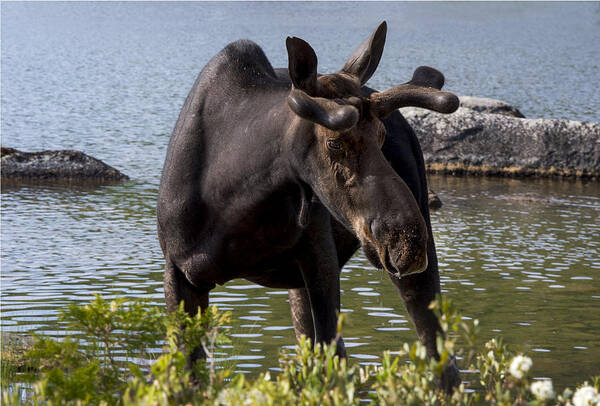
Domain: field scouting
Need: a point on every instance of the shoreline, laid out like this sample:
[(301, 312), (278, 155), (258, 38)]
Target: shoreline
[(469, 170)]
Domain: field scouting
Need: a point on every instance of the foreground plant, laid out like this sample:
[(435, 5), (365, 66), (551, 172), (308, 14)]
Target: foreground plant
[(105, 366), (111, 360)]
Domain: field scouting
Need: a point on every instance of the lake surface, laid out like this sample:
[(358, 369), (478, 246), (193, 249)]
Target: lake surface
[(109, 79)]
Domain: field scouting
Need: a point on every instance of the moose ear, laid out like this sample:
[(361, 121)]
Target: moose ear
[(363, 62), (302, 65), (325, 112), (426, 76)]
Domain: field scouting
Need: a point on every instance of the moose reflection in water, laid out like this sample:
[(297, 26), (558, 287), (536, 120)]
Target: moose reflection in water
[(279, 175)]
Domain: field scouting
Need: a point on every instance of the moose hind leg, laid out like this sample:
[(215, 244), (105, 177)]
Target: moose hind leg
[(178, 289)]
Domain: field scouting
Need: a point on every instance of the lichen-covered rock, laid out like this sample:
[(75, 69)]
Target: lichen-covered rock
[(62, 164), (492, 144), (489, 106)]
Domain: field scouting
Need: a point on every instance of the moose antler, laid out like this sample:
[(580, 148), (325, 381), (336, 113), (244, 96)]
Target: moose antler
[(302, 98), (422, 91), (322, 111)]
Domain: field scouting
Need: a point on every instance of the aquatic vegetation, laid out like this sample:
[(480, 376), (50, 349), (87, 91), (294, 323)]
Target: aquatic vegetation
[(111, 363)]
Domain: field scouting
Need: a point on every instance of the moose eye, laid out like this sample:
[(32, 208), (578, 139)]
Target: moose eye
[(334, 145)]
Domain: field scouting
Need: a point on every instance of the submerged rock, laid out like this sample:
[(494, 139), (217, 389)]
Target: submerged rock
[(490, 106), (434, 200), (12, 351), (61, 164), (470, 142)]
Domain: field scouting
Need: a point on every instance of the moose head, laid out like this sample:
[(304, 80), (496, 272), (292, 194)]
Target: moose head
[(336, 138)]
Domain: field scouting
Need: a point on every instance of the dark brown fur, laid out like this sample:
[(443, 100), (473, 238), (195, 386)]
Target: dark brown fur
[(275, 176)]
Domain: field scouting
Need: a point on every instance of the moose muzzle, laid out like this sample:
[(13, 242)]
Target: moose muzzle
[(401, 247)]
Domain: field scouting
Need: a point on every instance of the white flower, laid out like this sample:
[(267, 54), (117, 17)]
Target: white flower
[(543, 389), (519, 366), (586, 396)]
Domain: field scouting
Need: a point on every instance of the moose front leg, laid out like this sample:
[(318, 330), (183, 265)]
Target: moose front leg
[(417, 292), (319, 266), (323, 291), (301, 314), (194, 297)]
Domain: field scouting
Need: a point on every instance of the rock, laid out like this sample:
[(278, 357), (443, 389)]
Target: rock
[(489, 106), (434, 200), (62, 164), (526, 198), (469, 142)]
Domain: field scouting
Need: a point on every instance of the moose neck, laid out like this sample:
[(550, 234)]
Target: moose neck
[(259, 144)]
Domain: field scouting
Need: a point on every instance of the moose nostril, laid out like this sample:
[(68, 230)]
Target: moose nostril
[(419, 265)]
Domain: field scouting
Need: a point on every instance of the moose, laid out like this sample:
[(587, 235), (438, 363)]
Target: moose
[(278, 176)]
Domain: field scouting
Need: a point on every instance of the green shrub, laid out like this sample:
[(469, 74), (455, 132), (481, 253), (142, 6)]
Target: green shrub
[(104, 366)]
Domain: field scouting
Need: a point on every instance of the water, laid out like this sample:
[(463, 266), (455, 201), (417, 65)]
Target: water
[(110, 78)]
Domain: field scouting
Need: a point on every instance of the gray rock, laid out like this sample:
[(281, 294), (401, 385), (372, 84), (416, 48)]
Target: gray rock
[(489, 106), (493, 144), (434, 201), (62, 164)]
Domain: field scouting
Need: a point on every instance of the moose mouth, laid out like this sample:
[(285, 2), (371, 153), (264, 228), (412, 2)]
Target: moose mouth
[(417, 265), (385, 262), (388, 265)]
